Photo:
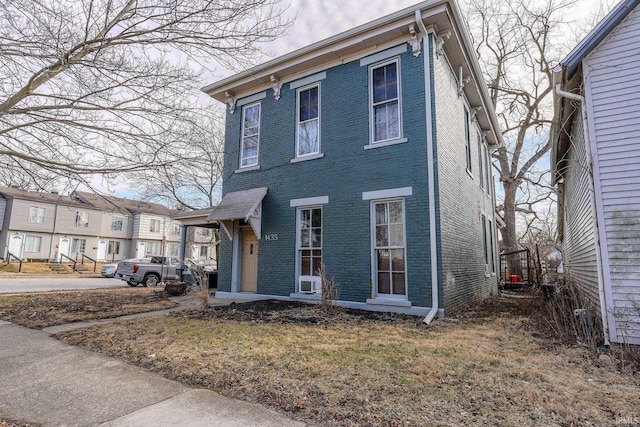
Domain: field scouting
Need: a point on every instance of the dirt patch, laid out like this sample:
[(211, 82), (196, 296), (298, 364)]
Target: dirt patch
[(46, 309), (492, 365)]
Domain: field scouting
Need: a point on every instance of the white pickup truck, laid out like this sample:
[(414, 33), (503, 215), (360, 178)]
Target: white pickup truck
[(149, 273)]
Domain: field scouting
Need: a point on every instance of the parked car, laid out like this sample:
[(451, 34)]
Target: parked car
[(148, 272), (109, 270), (117, 274)]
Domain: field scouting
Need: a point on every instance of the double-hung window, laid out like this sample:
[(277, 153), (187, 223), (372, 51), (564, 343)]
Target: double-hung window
[(116, 223), (154, 225), (32, 243), (389, 248), (485, 243), (114, 247), (491, 248), (385, 106), (308, 138), (488, 170), (480, 162), (36, 214), (309, 256), (467, 136), (82, 219), (78, 245), (250, 144)]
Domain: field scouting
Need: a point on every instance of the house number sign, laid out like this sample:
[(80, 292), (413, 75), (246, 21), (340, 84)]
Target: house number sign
[(271, 237)]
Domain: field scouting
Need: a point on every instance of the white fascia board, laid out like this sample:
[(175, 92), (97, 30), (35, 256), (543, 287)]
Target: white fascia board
[(309, 201), (386, 194)]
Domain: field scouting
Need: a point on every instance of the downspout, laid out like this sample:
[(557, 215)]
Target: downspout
[(430, 171), (594, 214)]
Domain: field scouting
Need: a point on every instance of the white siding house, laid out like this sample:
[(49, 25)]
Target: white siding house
[(597, 167)]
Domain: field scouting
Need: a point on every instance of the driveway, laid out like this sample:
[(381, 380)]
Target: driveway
[(43, 284)]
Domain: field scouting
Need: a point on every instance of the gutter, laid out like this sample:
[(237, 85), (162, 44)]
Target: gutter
[(433, 312), (594, 215)]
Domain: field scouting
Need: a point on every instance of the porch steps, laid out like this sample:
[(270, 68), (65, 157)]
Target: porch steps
[(82, 269), (57, 268)]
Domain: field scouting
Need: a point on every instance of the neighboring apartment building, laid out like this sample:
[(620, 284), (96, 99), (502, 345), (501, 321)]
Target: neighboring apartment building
[(596, 161), (45, 226), (368, 153), (150, 227)]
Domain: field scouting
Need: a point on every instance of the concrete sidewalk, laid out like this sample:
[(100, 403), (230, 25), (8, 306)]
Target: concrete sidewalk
[(43, 380)]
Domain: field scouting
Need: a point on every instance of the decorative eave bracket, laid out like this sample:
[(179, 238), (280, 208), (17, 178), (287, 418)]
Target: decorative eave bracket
[(231, 101), (276, 85), (462, 80), (414, 41), (440, 39), (474, 111)]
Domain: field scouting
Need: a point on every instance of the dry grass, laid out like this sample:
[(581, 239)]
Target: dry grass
[(42, 310), (493, 366), (41, 269)]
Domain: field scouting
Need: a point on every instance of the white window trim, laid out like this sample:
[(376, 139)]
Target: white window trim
[(308, 80), (385, 54), (387, 194), (468, 157), (380, 298), (307, 157), (242, 118), (248, 169), (386, 143), (317, 286), (32, 238), (481, 165), (309, 201), (251, 99), (37, 209), (319, 119), (372, 120)]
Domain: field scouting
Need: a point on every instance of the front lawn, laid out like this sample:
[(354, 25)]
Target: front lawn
[(493, 366), (46, 309)]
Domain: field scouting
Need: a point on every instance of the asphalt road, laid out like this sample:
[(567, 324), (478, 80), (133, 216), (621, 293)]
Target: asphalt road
[(43, 284)]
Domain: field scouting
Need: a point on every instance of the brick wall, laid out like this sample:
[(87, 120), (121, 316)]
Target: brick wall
[(461, 199)]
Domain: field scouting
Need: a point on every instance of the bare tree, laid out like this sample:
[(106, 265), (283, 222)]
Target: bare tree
[(518, 44), (105, 86), (193, 182)]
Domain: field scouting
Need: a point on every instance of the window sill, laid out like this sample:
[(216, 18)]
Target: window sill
[(248, 169), (305, 296), (385, 143), (389, 301), (309, 157)]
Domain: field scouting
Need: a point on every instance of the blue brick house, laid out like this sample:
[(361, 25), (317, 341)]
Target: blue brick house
[(367, 152)]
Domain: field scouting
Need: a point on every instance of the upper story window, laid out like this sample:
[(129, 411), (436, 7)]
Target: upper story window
[(82, 219), (308, 138), (488, 170), (480, 162), (36, 214), (154, 225), (467, 136), (250, 145), (116, 223), (385, 101), (175, 228)]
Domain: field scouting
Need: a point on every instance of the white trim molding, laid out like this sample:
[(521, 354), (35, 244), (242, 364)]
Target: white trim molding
[(309, 201), (308, 157), (385, 54), (308, 80), (385, 194), (386, 143), (249, 99)]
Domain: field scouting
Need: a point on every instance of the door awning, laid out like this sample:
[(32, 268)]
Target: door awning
[(245, 205)]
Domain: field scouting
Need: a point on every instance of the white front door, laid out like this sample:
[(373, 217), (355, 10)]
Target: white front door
[(102, 250), (141, 253), (16, 245), (64, 244)]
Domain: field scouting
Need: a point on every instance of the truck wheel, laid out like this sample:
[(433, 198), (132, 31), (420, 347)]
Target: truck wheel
[(151, 281)]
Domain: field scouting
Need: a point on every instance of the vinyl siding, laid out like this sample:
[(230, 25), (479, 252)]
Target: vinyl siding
[(579, 245), (613, 93), (3, 207)]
